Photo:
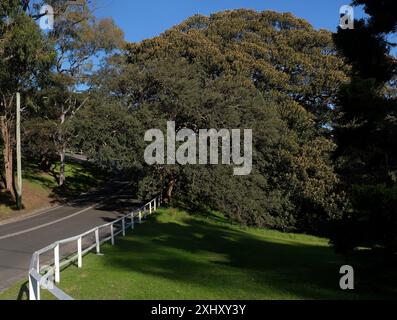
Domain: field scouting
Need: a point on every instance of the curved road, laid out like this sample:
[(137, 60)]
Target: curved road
[(20, 239)]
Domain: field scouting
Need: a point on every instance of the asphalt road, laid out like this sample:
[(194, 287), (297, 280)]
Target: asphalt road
[(19, 240)]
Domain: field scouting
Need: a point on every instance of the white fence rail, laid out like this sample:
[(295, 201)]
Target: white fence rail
[(43, 277)]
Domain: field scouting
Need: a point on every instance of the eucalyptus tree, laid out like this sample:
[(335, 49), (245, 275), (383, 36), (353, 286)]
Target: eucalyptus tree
[(25, 59), (81, 42)]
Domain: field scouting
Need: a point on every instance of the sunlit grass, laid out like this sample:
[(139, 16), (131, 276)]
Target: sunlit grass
[(180, 256)]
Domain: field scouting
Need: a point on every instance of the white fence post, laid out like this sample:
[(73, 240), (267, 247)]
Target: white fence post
[(56, 262), (98, 245), (35, 278), (132, 221), (79, 253), (32, 296), (112, 233), (34, 288), (38, 264)]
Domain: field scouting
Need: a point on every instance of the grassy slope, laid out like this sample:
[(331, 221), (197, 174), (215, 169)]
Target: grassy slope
[(35, 196), (179, 256), (39, 188)]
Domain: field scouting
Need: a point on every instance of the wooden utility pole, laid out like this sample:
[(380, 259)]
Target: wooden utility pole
[(19, 160)]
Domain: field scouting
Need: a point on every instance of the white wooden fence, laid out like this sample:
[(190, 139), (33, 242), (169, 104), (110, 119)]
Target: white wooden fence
[(43, 277)]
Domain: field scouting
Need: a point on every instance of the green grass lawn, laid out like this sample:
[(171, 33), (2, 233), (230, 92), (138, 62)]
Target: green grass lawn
[(179, 256), (80, 177)]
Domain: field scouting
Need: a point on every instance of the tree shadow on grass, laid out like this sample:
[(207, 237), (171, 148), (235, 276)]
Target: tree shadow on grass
[(23, 293), (80, 180), (202, 254), (6, 199), (39, 179)]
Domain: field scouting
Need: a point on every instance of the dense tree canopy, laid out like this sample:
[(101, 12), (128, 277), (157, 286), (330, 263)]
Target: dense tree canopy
[(269, 72), (80, 41), (25, 60), (366, 129), (322, 109)]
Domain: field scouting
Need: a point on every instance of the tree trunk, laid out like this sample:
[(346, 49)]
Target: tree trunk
[(62, 168), (3, 179), (168, 192), (8, 157)]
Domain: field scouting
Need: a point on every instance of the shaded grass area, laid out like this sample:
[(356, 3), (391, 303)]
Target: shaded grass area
[(80, 177), (40, 189), (180, 256)]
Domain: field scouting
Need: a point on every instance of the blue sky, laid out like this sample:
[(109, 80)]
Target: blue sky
[(141, 19)]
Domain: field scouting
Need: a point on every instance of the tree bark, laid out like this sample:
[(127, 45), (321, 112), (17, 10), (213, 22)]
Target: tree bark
[(8, 157), (62, 168), (168, 192)]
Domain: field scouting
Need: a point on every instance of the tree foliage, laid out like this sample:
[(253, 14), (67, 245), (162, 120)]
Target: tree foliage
[(25, 60), (269, 72), (366, 130), (80, 41)]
